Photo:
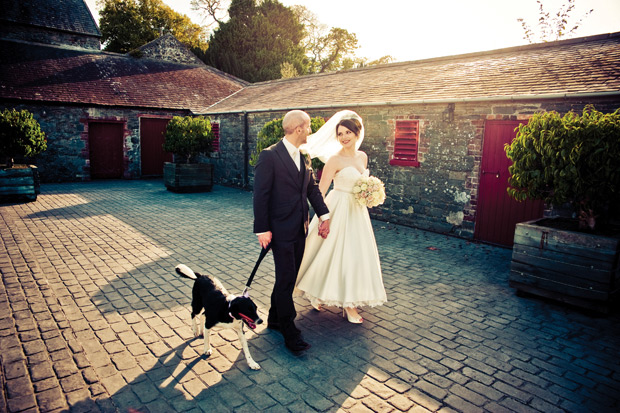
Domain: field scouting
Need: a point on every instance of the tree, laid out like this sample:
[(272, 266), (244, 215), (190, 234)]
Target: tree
[(257, 40), (326, 50), (330, 50), (551, 28), (380, 61), (215, 11), (128, 24)]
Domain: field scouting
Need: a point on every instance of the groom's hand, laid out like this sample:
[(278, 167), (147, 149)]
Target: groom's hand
[(264, 239), (324, 228)]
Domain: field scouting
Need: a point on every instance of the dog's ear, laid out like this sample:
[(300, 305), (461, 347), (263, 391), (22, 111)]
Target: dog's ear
[(244, 305)]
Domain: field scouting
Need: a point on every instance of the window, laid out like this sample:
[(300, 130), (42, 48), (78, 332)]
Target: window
[(215, 128), (406, 143)]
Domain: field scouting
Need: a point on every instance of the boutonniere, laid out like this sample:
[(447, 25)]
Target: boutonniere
[(304, 153)]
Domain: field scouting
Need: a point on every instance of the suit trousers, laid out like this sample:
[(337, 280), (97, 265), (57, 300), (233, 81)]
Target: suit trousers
[(287, 256)]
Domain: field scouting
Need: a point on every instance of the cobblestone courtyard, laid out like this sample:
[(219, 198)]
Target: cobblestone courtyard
[(93, 318)]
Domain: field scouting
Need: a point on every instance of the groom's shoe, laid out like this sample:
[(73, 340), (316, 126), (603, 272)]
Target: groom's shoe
[(297, 345)]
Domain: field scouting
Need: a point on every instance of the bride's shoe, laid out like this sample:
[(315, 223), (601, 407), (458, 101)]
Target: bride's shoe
[(353, 318), (317, 307)]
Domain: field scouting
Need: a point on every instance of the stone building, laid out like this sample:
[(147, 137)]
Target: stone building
[(436, 128), (103, 113)]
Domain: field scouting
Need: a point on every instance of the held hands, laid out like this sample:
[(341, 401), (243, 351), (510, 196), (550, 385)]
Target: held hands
[(324, 228)]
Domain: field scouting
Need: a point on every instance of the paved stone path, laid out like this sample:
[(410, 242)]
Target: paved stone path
[(93, 318)]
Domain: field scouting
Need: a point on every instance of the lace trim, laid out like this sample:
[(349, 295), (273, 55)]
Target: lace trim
[(332, 303)]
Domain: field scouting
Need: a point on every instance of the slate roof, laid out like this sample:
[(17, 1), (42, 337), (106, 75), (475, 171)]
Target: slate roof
[(569, 67), (35, 72), (67, 15)]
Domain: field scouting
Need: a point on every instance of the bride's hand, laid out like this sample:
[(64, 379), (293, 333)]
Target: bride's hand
[(324, 229)]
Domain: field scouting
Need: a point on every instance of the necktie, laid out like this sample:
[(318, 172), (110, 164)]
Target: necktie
[(296, 159)]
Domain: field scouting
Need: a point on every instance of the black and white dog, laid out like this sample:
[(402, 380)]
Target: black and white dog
[(220, 309)]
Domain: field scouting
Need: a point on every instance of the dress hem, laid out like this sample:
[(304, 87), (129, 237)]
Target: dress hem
[(336, 303)]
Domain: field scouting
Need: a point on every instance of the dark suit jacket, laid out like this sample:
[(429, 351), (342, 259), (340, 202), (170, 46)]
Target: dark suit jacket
[(281, 197)]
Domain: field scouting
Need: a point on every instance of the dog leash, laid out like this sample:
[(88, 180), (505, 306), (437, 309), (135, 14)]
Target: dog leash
[(263, 252)]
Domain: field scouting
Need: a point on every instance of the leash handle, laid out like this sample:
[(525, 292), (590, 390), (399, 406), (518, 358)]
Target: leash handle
[(263, 252)]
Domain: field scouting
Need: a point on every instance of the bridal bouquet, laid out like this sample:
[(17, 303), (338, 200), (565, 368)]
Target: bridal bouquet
[(369, 191)]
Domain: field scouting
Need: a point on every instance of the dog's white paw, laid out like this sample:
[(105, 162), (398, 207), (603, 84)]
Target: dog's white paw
[(208, 351), (253, 365)]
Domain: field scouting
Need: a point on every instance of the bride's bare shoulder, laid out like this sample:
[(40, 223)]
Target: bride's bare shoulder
[(335, 160)]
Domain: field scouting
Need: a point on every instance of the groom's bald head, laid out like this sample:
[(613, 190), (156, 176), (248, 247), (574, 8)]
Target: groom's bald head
[(293, 119)]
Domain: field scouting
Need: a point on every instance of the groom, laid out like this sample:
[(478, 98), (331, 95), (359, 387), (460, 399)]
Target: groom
[(283, 184)]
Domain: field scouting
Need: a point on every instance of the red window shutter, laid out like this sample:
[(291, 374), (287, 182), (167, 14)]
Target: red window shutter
[(406, 143), (215, 128)]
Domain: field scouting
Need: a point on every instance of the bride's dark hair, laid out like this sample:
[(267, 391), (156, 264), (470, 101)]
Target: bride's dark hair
[(353, 125)]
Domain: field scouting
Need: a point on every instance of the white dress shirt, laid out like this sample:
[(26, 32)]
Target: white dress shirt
[(293, 151)]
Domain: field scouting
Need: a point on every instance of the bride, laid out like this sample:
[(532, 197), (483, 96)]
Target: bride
[(343, 269)]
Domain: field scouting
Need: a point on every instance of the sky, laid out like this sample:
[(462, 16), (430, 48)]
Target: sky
[(420, 29)]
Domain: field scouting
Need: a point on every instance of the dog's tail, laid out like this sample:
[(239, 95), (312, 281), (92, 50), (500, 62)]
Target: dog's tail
[(184, 271)]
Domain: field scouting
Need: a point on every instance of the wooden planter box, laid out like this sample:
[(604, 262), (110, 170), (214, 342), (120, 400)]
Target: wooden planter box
[(193, 177), (573, 267), (21, 181)]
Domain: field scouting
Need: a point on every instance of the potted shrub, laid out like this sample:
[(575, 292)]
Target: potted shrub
[(272, 132), (187, 137), (572, 162), (21, 137)]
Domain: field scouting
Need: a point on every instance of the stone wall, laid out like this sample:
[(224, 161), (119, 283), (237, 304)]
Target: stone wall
[(439, 195), (12, 31), (66, 129)]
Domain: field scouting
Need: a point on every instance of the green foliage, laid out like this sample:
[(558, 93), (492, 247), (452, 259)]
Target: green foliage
[(271, 134), (257, 40), (329, 50), (332, 51), (128, 24), (571, 159), (20, 135), (186, 137)]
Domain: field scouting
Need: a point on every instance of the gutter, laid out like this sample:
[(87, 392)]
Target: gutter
[(512, 98)]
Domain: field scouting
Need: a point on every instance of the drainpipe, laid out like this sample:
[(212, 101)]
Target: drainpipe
[(246, 151)]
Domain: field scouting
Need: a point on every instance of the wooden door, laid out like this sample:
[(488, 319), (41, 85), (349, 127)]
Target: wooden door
[(105, 142), (497, 214), (152, 153)]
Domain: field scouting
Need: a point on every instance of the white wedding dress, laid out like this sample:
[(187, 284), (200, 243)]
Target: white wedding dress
[(342, 270)]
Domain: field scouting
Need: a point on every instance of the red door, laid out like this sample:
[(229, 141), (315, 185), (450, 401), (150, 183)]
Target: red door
[(497, 213), (151, 146), (105, 142)]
